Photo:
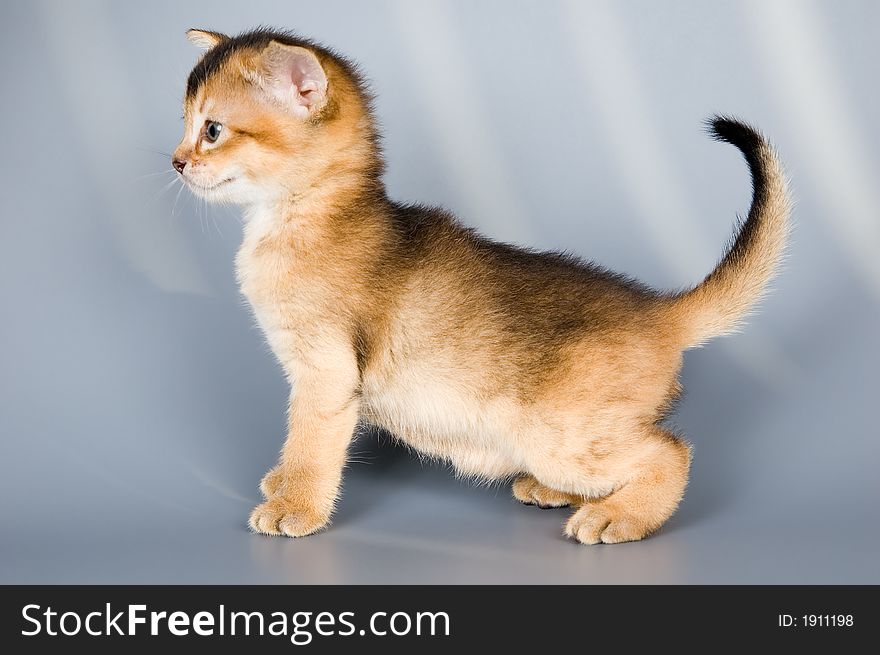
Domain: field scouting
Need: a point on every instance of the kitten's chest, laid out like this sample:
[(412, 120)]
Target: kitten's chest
[(283, 293), (280, 290), (266, 276), (272, 272)]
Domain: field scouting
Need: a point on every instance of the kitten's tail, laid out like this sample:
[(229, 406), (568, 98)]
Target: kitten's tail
[(719, 303)]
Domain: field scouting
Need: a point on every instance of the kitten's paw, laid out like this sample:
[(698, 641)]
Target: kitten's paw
[(531, 492), (601, 521), (279, 516), (271, 482)]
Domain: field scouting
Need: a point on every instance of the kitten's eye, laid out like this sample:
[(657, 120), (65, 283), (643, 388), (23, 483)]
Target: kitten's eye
[(212, 131)]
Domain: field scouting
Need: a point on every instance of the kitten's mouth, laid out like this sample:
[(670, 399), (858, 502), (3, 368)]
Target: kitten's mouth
[(214, 187)]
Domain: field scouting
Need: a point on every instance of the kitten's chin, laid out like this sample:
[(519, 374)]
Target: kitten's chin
[(230, 190)]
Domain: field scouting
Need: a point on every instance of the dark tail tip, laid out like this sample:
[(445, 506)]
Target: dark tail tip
[(733, 131)]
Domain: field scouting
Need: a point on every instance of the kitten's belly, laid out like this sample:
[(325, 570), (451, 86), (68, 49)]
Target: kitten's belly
[(440, 418)]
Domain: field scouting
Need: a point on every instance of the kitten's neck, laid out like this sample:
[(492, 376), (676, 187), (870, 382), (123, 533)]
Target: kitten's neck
[(321, 208)]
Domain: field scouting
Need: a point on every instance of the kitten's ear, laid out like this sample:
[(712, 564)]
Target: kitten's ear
[(294, 77), (205, 39)]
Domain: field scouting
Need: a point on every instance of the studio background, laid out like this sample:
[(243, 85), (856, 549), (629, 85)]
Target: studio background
[(139, 405)]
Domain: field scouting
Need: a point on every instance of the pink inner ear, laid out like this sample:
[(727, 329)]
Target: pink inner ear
[(308, 77), (307, 87), (295, 77)]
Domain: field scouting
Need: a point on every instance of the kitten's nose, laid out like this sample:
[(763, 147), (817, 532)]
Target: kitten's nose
[(179, 165)]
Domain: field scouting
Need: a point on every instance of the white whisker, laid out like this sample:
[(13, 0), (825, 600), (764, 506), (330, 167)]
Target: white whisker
[(176, 198), (148, 175)]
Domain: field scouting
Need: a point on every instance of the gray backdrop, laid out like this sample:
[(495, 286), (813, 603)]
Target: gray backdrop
[(139, 405)]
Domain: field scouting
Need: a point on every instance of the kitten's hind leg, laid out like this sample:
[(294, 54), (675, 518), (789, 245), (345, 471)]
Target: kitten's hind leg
[(650, 491), (529, 491)]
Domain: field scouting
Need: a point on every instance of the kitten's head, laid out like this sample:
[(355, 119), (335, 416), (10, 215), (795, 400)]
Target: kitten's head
[(267, 115)]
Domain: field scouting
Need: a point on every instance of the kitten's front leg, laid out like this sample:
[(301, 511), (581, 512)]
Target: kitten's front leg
[(301, 490)]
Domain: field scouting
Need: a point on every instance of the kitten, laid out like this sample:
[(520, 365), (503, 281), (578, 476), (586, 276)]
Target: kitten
[(508, 363)]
